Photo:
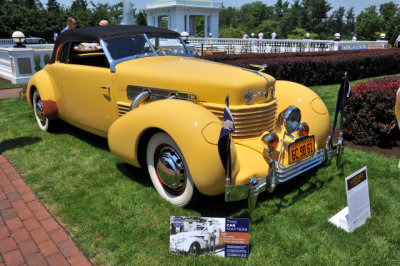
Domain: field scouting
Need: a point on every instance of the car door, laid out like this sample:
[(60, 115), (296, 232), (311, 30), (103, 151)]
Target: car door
[(88, 96)]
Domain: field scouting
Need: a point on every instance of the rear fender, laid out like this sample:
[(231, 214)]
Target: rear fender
[(193, 128)]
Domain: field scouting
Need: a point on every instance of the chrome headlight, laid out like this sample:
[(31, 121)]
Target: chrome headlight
[(290, 118)]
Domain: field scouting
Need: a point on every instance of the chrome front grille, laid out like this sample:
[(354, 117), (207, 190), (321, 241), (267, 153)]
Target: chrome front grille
[(122, 108), (250, 120)]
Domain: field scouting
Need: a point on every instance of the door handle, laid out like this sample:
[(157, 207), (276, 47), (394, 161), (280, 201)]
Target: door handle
[(105, 87)]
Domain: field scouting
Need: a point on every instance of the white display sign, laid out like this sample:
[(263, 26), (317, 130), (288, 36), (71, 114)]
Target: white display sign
[(225, 237), (358, 205)]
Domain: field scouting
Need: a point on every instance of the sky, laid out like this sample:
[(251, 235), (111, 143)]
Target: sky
[(358, 5)]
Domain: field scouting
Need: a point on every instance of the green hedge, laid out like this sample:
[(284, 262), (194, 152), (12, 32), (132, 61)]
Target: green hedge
[(318, 68)]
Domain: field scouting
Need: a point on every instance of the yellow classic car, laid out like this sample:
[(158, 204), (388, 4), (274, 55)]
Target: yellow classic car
[(161, 108)]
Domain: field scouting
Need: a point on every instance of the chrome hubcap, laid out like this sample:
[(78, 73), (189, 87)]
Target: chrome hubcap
[(170, 169), (39, 110)]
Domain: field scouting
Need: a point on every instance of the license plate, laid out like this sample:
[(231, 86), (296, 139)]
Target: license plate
[(301, 149)]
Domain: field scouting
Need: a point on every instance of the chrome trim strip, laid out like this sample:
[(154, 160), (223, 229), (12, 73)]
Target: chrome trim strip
[(139, 99), (151, 45), (108, 55), (189, 54), (299, 168)]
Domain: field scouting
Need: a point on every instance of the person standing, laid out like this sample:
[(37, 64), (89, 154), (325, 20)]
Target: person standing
[(354, 37), (397, 42), (212, 231), (245, 36), (261, 36), (103, 22), (273, 35), (71, 24)]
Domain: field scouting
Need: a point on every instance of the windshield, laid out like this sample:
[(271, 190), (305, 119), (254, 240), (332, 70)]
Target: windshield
[(134, 46)]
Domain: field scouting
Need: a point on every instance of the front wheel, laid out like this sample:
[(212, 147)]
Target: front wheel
[(43, 122), (194, 249), (168, 170)]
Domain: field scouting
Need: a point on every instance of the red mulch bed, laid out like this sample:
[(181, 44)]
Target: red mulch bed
[(387, 152)]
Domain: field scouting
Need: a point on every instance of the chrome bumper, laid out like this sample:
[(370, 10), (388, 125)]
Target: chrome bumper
[(279, 174)]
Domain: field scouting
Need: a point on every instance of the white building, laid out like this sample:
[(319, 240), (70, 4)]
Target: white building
[(181, 15)]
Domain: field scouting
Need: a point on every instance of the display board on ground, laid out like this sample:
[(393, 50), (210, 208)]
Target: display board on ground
[(225, 237), (358, 205)]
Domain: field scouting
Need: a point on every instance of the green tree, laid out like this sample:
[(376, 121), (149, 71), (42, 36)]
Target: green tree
[(390, 14), (280, 9), (336, 21), (315, 14), (350, 22), (268, 26), (251, 15), (141, 18), (231, 33), (368, 24), (79, 5), (53, 5), (229, 17)]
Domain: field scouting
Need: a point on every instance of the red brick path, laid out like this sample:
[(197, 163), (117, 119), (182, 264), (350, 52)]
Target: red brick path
[(29, 234), (10, 93)]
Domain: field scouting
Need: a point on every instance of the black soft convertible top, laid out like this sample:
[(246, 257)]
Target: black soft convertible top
[(92, 34)]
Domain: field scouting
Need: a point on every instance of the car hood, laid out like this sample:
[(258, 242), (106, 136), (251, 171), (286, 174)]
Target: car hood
[(210, 81)]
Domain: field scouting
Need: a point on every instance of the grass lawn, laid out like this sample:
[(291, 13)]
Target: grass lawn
[(116, 217), (10, 86)]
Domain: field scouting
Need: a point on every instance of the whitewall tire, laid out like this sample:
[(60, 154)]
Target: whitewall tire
[(168, 170), (43, 122)]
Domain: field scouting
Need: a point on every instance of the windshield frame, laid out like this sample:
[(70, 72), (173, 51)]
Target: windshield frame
[(113, 62)]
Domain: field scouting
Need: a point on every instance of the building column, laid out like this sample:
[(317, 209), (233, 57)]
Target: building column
[(150, 20), (205, 26), (188, 23)]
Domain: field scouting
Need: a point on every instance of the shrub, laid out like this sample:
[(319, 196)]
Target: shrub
[(231, 33), (316, 68), (369, 114)]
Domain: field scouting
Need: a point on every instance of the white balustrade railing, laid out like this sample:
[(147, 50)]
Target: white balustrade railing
[(240, 46), (19, 64), (6, 42)]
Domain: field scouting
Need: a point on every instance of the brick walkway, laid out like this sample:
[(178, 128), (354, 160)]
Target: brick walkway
[(29, 234), (10, 93)]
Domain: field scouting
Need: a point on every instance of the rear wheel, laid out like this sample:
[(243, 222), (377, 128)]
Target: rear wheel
[(43, 122), (168, 170)]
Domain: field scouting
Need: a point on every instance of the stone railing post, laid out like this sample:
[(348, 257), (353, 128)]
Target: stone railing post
[(22, 64)]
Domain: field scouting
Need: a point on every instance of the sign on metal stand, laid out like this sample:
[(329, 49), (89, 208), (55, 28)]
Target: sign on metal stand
[(358, 205)]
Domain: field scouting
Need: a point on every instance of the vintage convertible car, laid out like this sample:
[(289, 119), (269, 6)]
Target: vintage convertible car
[(193, 242), (161, 108)]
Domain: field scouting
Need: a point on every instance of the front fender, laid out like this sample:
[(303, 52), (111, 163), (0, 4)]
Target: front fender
[(313, 109), (188, 124)]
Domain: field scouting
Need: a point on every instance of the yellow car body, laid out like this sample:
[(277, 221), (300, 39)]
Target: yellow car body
[(130, 99)]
